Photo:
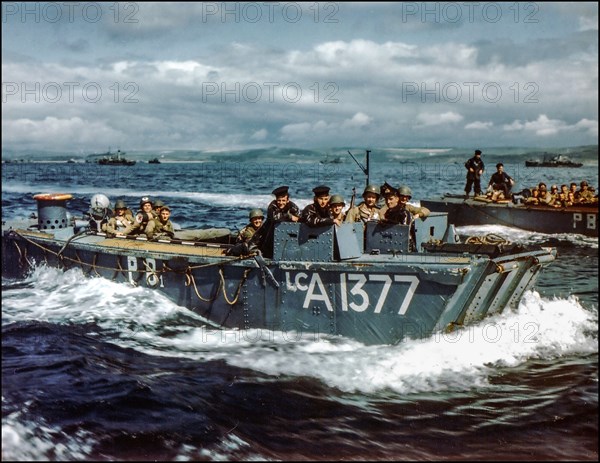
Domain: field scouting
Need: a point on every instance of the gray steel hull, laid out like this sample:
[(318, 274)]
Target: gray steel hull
[(580, 220), (376, 299)]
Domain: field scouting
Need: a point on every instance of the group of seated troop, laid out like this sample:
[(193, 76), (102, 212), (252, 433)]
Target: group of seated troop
[(565, 197), (327, 210), (500, 186), (152, 220)]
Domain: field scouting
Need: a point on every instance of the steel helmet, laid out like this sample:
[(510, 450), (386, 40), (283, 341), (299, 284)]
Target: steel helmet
[(255, 213), (372, 189), (120, 204), (144, 200), (336, 199), (403, 190), (99, 201), (158, 203)]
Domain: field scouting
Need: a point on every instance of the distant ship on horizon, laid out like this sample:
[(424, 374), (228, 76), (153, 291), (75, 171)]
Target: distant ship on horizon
[(115, 159), (557, 160)]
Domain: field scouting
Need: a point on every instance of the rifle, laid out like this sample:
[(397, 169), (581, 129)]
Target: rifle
[(353, 198)]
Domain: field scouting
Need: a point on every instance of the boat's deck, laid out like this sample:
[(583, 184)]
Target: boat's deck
[(482, 201)]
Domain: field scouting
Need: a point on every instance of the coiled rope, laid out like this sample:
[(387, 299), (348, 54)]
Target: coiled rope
[(190, 279), (490, 238)]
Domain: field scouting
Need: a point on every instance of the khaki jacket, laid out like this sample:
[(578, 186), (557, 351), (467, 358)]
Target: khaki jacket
[(246, 233), (156, 229), (118, 224), (362, 212), (422, 211)]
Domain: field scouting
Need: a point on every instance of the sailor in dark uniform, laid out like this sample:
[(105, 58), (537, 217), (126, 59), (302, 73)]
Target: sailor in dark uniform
[(475, 168), (500, 181), (318, 213), (281, 209), (394, 211)]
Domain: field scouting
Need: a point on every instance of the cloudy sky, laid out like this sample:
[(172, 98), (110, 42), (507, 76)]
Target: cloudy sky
[(214, 76)]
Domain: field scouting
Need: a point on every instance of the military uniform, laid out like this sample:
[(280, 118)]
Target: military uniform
[(584, 196), (118, 224), (156, 228), (406, 192), (474, 178), (141, 219), (363, 212), (337, 202), (140, 222), (246, 233), (545, 198), (282, 215), (250, 230), (314, 215), (501, 181), (396, 215)]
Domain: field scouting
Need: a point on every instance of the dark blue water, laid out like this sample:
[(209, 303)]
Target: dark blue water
[(94, 370)]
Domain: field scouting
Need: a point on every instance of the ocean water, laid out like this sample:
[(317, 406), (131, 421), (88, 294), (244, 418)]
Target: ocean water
[(95, 370)]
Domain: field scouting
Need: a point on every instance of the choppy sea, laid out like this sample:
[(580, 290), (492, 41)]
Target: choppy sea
[(96, 370)]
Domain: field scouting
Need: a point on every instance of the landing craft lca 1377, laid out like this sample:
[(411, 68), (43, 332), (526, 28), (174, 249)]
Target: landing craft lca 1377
[(358, 280)]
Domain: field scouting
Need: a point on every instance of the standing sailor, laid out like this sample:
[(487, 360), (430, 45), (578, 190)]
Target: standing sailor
[(475, 168)]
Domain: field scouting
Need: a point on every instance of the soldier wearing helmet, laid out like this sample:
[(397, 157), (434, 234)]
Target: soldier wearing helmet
[(256, 220), (99, 212), (121, 219), (405, 194), (160, 227), (336, 207), (142, 217), (157, 205), (584, 195), (367, 209), (394, 212)]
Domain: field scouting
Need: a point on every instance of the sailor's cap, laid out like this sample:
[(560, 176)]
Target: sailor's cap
[(280, 191), (321, 190)]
